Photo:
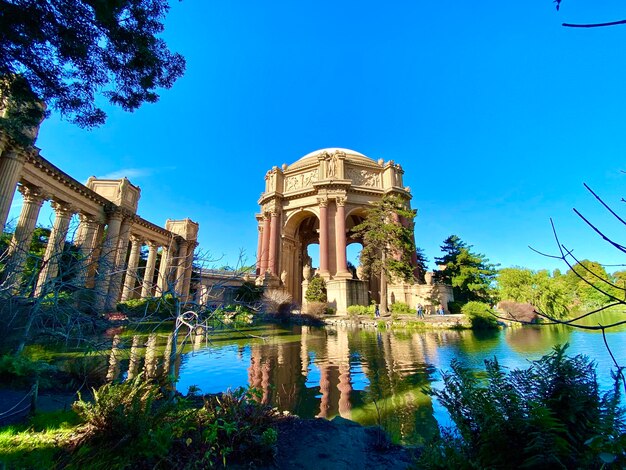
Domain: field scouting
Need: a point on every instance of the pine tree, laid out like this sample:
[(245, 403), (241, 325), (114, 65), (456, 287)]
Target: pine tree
[(470, 274)]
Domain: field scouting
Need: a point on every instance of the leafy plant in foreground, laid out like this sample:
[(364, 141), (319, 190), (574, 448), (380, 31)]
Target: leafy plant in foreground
[(551, 415)]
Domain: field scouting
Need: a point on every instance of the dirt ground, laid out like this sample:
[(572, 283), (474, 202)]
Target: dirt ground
[(339, 444)]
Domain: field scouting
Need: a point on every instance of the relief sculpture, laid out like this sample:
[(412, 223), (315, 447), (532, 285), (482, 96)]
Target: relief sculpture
[(361, 177), (303, 180)]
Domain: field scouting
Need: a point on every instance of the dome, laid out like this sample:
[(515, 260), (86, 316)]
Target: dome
[(351, 155)]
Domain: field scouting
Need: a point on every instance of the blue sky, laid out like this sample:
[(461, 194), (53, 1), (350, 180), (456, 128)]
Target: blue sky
[(497, 113)]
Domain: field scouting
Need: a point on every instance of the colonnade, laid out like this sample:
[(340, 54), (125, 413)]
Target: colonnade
[(109, 238)]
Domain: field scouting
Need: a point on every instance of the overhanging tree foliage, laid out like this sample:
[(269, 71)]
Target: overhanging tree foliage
[(470, 274), (66, 53), (387, 243)]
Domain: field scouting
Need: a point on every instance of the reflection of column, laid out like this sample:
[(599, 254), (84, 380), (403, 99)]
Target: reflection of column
[(114, 360), (167, 358), (266, 244), (323, 236), (164, 268), (344, 386), (146, 289), (131, 272), (304, 351), (273, 258), (20, 244), (324, 390), (340, 239), (133, 362), (150, 361), (55, 245), (107, 259), (11, 164)]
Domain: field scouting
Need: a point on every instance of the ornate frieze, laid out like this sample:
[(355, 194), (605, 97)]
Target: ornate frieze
[(302, 180), (363, 177)]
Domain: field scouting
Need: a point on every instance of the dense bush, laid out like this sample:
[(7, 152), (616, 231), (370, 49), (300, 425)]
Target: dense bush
[(480, 315), (402, 309), (552, 414), (317, 309), (316, 290), (277, 302), (361, 310), (22, 371), (163, 307), (249, 293), (130, 425)]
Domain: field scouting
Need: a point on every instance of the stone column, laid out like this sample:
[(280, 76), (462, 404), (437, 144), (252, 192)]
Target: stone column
[(148, 276), (340, 240), (117, 275), (188, 270), (273, 255), (323, 271), (131, 272), (54, 248), (11, 164), (20, 243), (85, 240), (107, 260), (180, 268), (96, 251), (164, 268), (266, 244), (259, 250)]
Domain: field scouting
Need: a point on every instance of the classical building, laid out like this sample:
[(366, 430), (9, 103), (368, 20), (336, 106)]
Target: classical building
[(318, 200), (110, 234)]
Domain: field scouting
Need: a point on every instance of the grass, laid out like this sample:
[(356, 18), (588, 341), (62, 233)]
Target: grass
[(37, 443)]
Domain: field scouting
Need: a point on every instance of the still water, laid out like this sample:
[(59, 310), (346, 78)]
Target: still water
[(370, 376)]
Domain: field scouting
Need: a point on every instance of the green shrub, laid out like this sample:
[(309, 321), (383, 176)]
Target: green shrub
[(125, 423), (21, 370), (248, 292), (354, 310), (455, 307), (552, 413), (316, 290), (401, 308), (163, 307), (480, 315)]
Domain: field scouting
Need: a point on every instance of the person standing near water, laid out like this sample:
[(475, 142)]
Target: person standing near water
[(420, 311)]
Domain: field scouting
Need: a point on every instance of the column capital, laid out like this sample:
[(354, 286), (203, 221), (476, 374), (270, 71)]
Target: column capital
[(62, 209), (31, 194), (152, 244), (135, 239), (340, 201), (322, 201), (87, 218)]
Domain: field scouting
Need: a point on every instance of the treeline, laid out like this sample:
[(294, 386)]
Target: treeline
[(586, 286)]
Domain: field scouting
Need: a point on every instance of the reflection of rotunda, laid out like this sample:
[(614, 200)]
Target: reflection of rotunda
[(318, 200)]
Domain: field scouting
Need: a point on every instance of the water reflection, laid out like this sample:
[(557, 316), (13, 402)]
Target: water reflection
[(370, 376)]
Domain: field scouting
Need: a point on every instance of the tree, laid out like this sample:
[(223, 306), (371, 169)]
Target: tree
[(387, 243), (67, 53), (470, 274), (548, 293), (588, 25), (422, 265)]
